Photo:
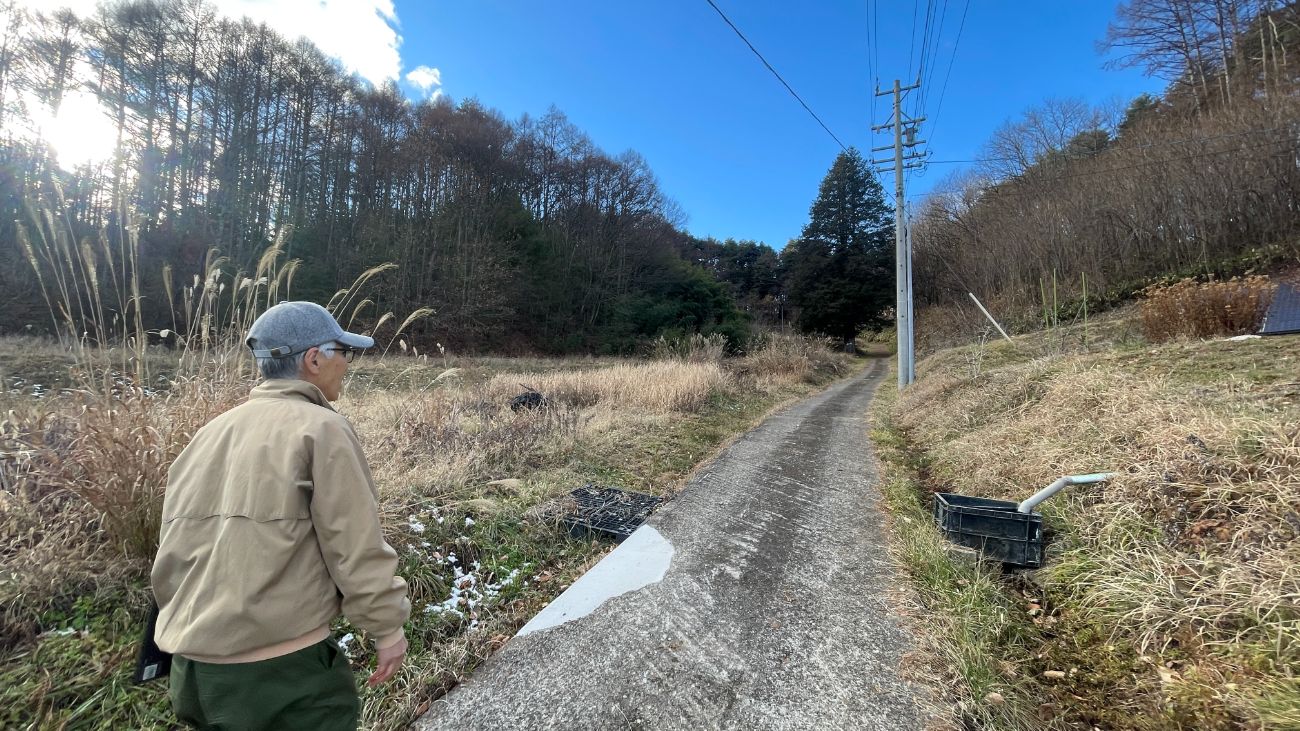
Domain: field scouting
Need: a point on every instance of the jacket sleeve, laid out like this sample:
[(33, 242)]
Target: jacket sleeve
[(345, 513)]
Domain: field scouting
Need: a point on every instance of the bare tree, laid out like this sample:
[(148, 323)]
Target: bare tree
[(1018, 145)]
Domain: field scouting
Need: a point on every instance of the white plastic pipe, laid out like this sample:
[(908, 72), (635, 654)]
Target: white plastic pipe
[(986, 314), (1032, 502)]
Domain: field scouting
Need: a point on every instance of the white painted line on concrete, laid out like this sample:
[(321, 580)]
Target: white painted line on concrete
[(640, 560)]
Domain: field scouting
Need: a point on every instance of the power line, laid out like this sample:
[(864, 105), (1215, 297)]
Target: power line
[(871, 67), (929, 38), (934, 54), (1146, 163), (912, 48), (946, 76), (1143, 146), (774, 73), (875, 44)]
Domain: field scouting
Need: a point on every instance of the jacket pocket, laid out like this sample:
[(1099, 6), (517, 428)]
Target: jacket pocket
[(331, 653)]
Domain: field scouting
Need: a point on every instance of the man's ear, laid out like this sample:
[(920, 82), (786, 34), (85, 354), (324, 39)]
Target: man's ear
[(311, 361)]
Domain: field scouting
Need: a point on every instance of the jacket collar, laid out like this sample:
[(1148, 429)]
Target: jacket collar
[(289, 388)]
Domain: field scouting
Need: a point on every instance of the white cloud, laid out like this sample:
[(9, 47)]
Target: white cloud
[(361, 34), (425, 79)]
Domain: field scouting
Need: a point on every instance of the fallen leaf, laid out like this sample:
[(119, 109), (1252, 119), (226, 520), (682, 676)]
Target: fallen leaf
[(995, 699), (1054, 675)]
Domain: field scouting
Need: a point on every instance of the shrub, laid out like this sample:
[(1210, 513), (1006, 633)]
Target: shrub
[(780, 357), (1205, 309)]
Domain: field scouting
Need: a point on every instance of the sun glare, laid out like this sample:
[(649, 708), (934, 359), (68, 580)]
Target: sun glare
[(82, 133)]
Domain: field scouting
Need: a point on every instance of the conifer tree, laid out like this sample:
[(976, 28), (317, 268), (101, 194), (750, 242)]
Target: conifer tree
[(839, 272)]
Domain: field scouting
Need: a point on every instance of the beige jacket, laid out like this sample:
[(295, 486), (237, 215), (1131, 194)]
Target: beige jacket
[(270, 529)]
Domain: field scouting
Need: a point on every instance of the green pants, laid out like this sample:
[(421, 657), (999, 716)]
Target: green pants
[(312, 688)]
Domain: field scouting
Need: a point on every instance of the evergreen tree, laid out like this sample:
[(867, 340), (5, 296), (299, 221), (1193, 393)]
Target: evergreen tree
[(839, 273)]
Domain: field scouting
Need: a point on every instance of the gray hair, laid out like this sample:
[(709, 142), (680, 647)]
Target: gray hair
[(287, 367)]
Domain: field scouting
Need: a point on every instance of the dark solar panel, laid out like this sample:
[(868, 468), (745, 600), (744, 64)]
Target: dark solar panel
[(1283, 317)]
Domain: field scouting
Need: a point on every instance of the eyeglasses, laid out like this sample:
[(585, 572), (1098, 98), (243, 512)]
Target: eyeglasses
[(349, 354)]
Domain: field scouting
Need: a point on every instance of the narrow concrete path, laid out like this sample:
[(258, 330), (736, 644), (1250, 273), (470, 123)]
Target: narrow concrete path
[(755, 600)]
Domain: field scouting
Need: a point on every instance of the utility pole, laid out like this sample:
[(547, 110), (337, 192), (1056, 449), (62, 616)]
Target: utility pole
[(904, 139)]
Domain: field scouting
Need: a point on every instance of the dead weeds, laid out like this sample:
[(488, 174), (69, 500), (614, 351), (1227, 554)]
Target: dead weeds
[(1171, 597), (460, 477)]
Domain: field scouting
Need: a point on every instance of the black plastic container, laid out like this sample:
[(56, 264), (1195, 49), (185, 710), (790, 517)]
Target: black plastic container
[(992, 527)]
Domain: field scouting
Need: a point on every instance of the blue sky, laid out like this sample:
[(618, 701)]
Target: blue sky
[(670, 80)]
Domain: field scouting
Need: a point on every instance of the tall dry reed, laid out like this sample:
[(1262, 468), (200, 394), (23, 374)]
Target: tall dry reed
[(656, 386)]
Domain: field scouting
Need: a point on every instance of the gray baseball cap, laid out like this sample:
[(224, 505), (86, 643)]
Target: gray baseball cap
[(290, 328)]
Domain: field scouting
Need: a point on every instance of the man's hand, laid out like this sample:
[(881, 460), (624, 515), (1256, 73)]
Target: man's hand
[(389, 660)]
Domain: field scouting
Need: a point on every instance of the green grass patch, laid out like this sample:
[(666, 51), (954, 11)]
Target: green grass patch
[(976, 627)]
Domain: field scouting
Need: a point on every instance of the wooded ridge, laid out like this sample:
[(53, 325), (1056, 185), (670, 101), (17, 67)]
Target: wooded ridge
[(521, 235), (1201, 181)]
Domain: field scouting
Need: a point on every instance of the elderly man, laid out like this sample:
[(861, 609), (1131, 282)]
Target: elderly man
[(270, 529)]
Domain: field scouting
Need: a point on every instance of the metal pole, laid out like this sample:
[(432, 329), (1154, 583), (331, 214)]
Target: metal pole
[(1028, 505)]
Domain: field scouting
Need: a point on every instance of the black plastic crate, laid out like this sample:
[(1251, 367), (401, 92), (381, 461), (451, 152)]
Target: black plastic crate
[(993, 527), (608, 512)]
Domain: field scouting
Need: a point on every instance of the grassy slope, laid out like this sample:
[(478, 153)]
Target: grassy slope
[(441, 455), (1171, 597)]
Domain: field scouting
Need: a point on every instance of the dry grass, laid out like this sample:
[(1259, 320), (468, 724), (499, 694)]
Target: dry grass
[(114, 453), (445, 445), (696, 348), (81, 484), (782, 359), (445, 441), (460, 475), (1195, 309), (1189, 558), (656, 386)]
